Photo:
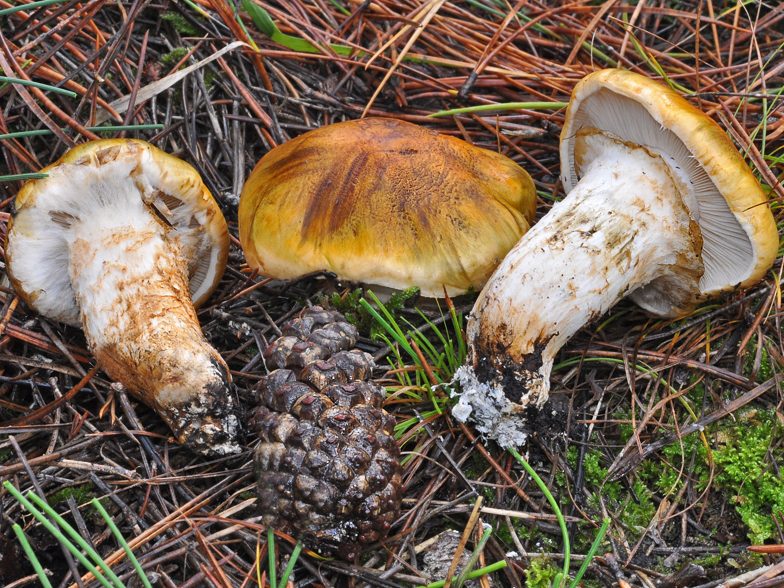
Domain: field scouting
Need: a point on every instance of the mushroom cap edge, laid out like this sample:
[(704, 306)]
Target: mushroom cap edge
[(709, 145), (176, 173)]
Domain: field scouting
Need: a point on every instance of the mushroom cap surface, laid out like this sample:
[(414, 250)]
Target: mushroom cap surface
[(739, 233), (93, 179), (384, 202)]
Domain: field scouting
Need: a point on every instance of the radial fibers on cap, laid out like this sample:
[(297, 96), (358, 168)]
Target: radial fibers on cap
[(384, 202)]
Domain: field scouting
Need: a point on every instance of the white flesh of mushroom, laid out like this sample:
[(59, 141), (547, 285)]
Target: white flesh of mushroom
[(129, 280), (625, 224)]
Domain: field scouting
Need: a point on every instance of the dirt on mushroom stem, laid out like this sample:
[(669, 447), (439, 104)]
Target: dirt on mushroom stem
[(623, 226), (130, 280)]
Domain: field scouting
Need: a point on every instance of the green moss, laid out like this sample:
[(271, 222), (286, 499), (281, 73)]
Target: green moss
[(533, 535), (625, 428), (475, 466), (209, 78), (178, 22), (174, 56), (697, 392), (79, 493), (501, 532), (5, 454), (634, 513), (744, 471), (588, 582), (540, 573), (359, 317), (742, 468), (536, 537), (708, 561), (750, 561), (766, 370), (639, 514), (595, 473)]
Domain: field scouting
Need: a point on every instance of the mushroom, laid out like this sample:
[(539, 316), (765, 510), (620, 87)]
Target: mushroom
[(118, 240), (661, 207), (387, 203)]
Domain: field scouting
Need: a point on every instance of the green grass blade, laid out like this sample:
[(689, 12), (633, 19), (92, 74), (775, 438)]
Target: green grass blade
[(31, 6), (340, 8), (472, 560), (15, 177), (290, 567), (265, 24), (499, 565), (109, 129), (242, 25), (198, 9), (38, 85), (389, 316), (553, 504), (391, 327), (31, 556), (505, 106), (59, 535), (457, 325), (261, 18), (271, 553), (76, 537), (591, 553), (434, 358), (131, 557), (450, 359), (22, 134)]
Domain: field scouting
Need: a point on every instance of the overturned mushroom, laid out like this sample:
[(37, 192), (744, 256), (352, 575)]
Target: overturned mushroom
[(118, 240), (387, 203), (661, 207)]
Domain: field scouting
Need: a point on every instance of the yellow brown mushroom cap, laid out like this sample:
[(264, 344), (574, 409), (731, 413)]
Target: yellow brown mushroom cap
[(170, 187), (718, 167), (384, 202)]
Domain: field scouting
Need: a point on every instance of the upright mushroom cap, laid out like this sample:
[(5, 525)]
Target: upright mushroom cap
[(384, 202), (740, 238), (117, 240)]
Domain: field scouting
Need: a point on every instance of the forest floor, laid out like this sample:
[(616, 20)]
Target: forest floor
[(682, 509)]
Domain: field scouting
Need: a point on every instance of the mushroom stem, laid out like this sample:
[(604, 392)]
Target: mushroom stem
[(130, 281), (623, 226)]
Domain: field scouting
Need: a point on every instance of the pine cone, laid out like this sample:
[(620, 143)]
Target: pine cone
[(328, 466)]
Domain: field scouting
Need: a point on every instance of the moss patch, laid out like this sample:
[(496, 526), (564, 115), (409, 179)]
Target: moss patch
[(743, 468), (79, 493), (358, 316), (180, 23), (540, 573), (173, 56)]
